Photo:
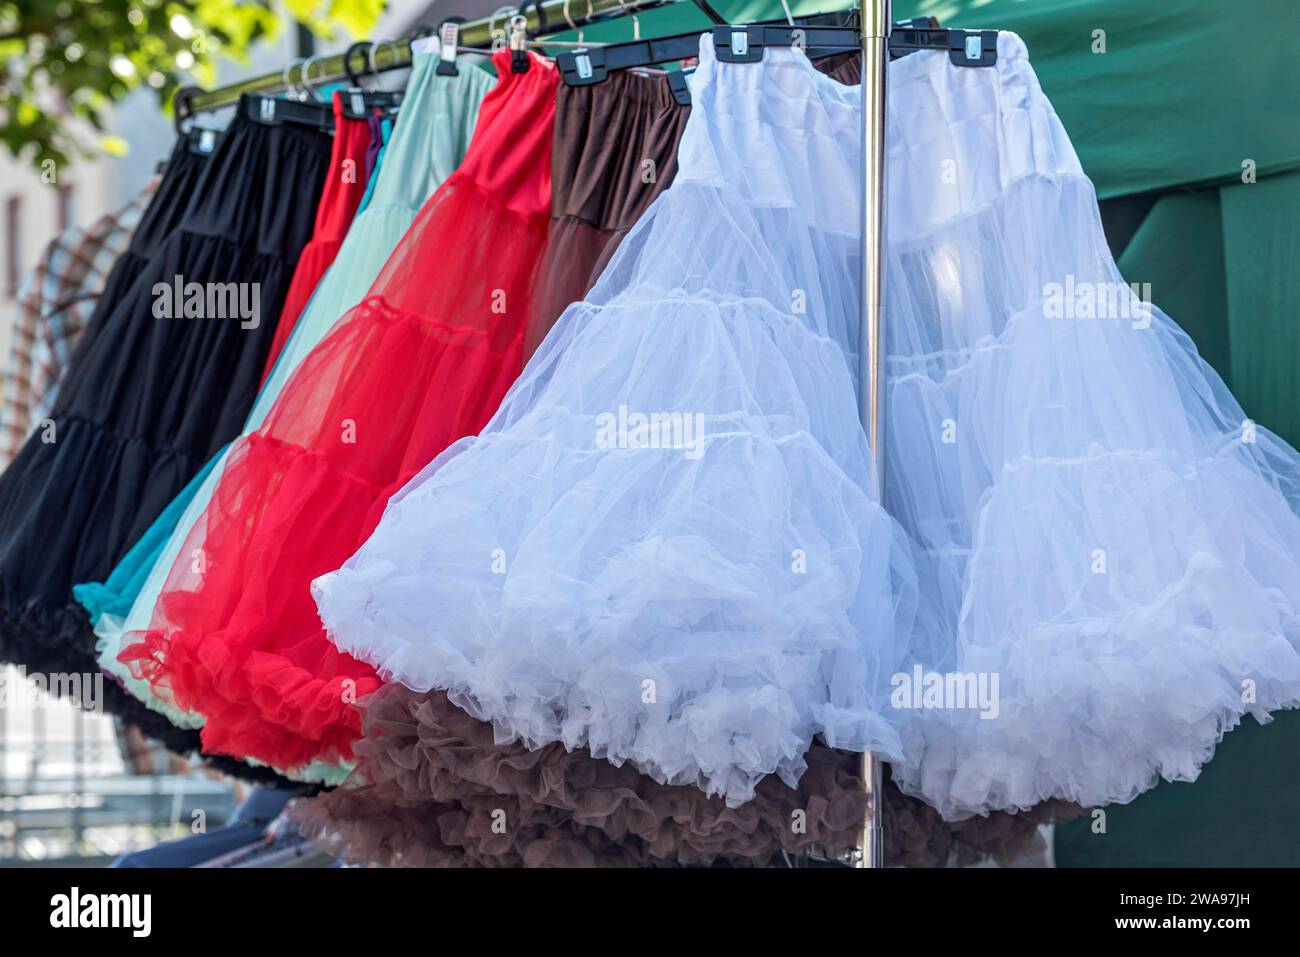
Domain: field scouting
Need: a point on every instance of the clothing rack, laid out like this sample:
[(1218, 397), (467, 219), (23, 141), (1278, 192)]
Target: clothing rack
[(394, 54), (870, 23)]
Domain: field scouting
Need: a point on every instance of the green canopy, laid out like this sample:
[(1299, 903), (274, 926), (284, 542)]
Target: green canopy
[(1185, 115)]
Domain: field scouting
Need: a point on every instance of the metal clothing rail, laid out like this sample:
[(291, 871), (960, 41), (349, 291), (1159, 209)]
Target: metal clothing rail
[(544, 18)]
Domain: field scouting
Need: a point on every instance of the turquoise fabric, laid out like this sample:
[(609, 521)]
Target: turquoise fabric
[(428, 143)]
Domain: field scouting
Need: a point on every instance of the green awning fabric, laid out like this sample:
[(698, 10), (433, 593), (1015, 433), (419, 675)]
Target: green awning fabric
[(1179, 249), (1261, 242), (1223, 262), (1239, 813), (1186, 92)]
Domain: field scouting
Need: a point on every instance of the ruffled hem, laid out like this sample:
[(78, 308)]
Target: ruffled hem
[(431, 782), (744, 655), (1172, 617), (51, 649), (467, 834), (421, 751), (268, 710)]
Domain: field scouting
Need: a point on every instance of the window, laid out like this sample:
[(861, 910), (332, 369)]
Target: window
[(13, 254)]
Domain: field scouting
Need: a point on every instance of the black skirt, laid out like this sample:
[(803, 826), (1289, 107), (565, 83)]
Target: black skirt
[(163, 378)]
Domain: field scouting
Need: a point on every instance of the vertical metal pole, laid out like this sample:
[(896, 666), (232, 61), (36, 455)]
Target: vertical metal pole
[(871, 333)]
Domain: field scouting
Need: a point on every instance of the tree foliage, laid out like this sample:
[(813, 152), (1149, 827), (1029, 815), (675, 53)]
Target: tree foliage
[(64, 62)]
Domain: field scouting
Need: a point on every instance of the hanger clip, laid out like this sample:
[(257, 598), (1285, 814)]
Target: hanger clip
[(202, 141), (681, 90), (742, 44), (583, 67), (519, 44), (449, 40), (973, 47)]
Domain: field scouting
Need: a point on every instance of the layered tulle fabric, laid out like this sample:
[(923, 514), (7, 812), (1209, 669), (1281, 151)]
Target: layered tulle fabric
[(344, 186), (691, 597), (615, 152), (1099, 527), (433, 788), (162, 379), (1103, 546), (429, 142), (577, 807), (422, 361), (507, 806)]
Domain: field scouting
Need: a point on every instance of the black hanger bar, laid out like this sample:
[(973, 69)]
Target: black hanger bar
[(745, 44), (593, 65), (965, 47), (359, 104), (273, 111), (587, 66)]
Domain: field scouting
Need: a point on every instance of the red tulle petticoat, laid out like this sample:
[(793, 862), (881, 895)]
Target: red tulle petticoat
[(423, 361), (345, 185)]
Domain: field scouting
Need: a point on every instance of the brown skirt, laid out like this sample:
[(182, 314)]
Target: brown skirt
[(615, 151)]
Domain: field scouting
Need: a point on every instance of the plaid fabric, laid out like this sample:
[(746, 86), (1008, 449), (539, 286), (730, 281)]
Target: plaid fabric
[(55, 302)]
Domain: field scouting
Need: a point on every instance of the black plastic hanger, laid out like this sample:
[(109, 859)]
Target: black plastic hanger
[(519, 60), (746, 43), (274, 111), (358, 102)]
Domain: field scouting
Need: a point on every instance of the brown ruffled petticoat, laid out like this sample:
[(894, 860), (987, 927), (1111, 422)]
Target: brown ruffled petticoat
[(433, 789), (916, 836), (359, 827)]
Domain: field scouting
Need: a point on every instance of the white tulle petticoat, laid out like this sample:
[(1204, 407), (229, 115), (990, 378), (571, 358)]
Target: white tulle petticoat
[(665, 546)]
